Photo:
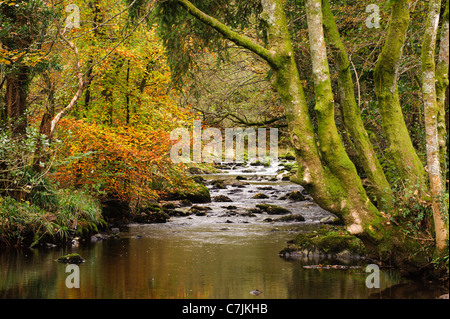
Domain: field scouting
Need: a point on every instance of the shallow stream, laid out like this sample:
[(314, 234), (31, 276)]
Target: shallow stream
[(221, 254)]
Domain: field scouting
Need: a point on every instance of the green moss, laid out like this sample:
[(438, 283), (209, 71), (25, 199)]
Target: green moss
[(71, 259), (260, 196), (273, 209), (329, 240)]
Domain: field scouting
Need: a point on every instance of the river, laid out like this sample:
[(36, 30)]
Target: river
[(222, 254)]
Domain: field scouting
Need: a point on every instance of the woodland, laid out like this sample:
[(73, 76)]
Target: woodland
[(90, 91)]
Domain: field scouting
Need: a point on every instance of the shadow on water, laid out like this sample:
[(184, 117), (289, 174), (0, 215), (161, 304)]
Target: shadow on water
[(216, 255)]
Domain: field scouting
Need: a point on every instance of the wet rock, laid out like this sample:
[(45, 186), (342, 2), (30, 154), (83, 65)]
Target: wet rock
[(185, 202), (222, 198), (194, 170), (151, 217), (201, 208), (241, 178), (254, 211), (218, 184), (290, 218), (178, 213), (295, 196), (327, 242), (200, 213), (273, 209), (255, 292), (266, 188), (199, 194), (168, 206), (289, 156), (331, 267), (96, 237), (71, 259), (231, 207), (199, 179), (248, 214), (330, 220), (260, 196)]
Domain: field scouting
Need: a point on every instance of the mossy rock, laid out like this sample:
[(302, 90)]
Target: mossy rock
[(218, 184), (198, 194), (168, 206), (151, 217), (198, 179), (71, 259), (200, 208), (290, 156), (222, 198), (273, 209), (329, 240), (290, 218), (295, 196), (260, 196)]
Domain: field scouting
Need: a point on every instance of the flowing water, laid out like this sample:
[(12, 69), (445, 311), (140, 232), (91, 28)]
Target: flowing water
[(221, 254)]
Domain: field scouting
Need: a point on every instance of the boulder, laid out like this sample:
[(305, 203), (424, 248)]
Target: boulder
[(151, 217), (194, 170), (71, 259), (295, 196), (260, 196), (198, 194), (273, 209), (222, 198)]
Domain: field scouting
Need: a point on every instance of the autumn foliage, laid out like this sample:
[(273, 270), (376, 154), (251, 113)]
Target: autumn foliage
[(124, 162)]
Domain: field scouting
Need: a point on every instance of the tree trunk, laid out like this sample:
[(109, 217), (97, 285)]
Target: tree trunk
[(16, 100), (442, 84), (352, 115), (404, 156), (431, 124)]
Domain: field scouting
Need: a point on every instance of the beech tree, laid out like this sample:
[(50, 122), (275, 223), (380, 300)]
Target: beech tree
[(431, 110)]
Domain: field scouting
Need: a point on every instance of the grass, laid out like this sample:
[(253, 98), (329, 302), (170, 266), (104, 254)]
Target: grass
[(49, 216)]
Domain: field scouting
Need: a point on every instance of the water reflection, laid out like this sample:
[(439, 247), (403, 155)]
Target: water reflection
[(182, 267)]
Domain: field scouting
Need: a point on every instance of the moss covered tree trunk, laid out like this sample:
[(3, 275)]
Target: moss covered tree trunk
[(431, 111), (404, 157), (442, 83), (352, 115)]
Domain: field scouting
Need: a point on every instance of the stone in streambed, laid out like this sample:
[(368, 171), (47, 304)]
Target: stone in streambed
[(260, 196), (295, 196), (71, 259), (287, 218), (222, 198), (273, 209)]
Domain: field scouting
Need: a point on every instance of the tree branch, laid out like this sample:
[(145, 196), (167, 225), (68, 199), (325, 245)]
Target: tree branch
[(228, 33), (81, 86)]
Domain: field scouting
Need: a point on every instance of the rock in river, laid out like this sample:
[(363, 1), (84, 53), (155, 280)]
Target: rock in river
[(71, 259), (222, 198), (260, 196), (273, 209)]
